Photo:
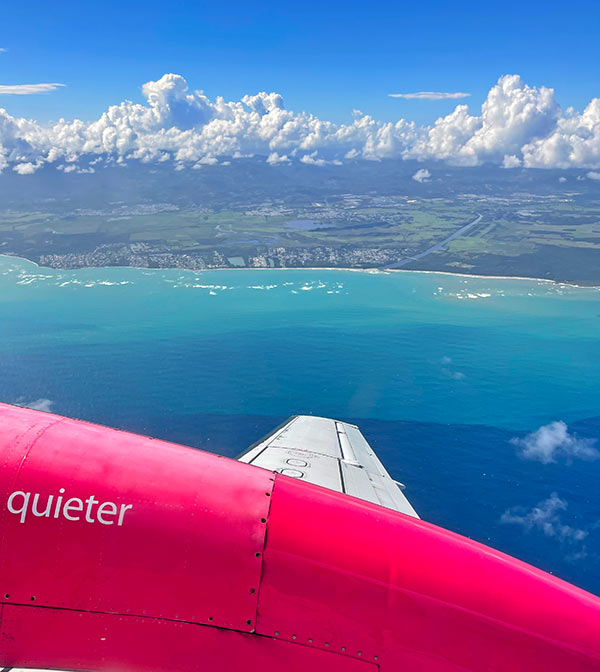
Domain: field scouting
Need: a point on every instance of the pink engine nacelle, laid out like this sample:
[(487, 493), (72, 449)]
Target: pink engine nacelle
[(120, 552)]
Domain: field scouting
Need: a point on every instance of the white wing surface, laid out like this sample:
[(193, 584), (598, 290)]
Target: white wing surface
[(331, 454)]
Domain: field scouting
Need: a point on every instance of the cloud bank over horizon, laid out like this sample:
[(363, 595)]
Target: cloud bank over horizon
[(518, 126)]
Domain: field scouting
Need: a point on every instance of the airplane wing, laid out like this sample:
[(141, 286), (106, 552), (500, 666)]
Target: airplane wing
[(331, 454)]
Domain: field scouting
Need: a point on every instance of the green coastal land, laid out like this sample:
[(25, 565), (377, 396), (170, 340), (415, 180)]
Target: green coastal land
[(481, 221)]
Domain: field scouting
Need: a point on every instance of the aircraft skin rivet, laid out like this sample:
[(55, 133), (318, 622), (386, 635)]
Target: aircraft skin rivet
[(257, 554), (268, 494), (309, 640), (252, 591), (343, 648), (33, 598), (248, 622), (360, 653), (263, 520), (375, 657), (293, 636), (277, 633), (6, 596), (326, 643)]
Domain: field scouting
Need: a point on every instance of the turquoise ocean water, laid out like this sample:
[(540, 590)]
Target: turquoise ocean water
[(439, 371)]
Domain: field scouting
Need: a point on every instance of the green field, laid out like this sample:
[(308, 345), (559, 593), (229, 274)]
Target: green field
[(530, 225)]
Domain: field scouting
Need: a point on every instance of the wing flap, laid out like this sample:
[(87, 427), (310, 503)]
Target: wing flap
[(306, 465), (317, 433), (331, 454)]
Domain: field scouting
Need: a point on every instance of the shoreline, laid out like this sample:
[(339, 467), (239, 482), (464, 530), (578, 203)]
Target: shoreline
[(373, 271), (496, 277)]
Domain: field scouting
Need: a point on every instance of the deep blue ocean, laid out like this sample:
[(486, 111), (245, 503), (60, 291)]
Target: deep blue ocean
[(448, 378)]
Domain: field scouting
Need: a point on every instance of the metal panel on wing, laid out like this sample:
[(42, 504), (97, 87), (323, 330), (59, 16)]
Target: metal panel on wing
[(332, 454)]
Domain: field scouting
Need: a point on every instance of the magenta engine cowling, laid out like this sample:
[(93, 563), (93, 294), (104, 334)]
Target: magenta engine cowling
[(123, 552)]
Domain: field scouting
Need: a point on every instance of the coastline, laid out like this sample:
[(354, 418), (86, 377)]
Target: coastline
[(373, 271), (496, 277)]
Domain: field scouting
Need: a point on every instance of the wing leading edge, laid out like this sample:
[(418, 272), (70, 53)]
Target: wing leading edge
[(331, 454)]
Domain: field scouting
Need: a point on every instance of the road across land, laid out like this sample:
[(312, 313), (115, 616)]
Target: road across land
[(438, 246)]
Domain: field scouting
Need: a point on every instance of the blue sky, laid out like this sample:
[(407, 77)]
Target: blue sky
[(327, 58)]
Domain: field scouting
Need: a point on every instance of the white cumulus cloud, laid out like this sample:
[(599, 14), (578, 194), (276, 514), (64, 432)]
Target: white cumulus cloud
[(422, 175), (429, 95), (551, 442), (518, 125), (38, 404), (545, 517), (512, 115), (573, 142), (511, 161), (27, 168), (274, 158)]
